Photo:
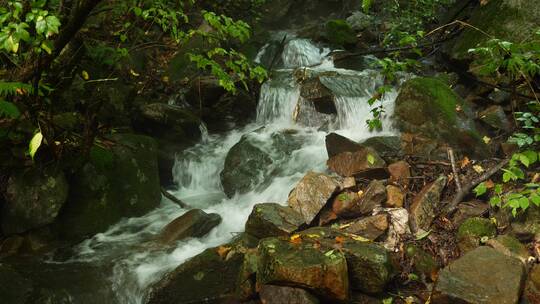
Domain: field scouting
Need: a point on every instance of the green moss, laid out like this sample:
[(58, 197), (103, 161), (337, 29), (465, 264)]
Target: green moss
[(477, 227), (444, 99), (339, 32), (423, 262)]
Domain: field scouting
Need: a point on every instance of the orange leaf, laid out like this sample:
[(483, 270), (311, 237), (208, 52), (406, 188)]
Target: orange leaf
[(464, 162), (223, 250), (296, 239)]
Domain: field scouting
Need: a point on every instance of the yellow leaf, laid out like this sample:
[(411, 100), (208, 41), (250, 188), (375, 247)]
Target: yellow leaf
[(296, 239), (345, 226), (85, 75), (134, 73), (486, 139), (359, 238), (35, 143), (478, 168)]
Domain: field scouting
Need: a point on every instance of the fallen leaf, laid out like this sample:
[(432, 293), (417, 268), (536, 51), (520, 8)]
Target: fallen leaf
[(85, 75), (486, 139), (223, 250), (489, 184), (340, 239), (360, 193), (134, 73), (345, 226), (465, 162), (359, 238)]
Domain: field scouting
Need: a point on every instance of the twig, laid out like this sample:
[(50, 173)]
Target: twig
[(102, 80), (454, 168), (174, 199), (452, 205)]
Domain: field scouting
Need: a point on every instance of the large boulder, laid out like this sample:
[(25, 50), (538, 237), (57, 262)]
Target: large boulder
[(371, 227), (167, 121), (272, 294), (203, 277), (471, 232), (14, 288), (336, 144), (194, 223), (34, 198), (302, 265), (429, 107), (311, 194), (118, 182), (483, 275), (511, 20), (271, 219), (254, 160)]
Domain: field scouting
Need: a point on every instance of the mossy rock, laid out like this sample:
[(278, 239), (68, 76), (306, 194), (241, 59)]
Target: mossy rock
[(340, 33), (205, 278), (424, 263), (430, 108), (471, 232), (116, 183), (512, 20)]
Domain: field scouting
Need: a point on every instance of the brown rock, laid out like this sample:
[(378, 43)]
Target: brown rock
[(11, 246), (327, 216), (311, 194), (350, 204), (370, 227), (194, 223), (348, 182), (360, 163), (400, 172), (336, 144), (396, 197), (422, 211), (532, 287), (272, 294), (467, 210)]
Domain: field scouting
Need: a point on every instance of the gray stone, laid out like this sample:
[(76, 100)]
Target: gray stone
[(272, 294), (422, 211), (271, 219), (483, 275)]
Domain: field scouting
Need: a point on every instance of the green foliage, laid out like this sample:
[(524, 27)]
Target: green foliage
[(24, 31), (518, 62), (34, 144)]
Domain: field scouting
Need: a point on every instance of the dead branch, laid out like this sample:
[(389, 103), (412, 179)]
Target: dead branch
[(174, 199), (454, 168)]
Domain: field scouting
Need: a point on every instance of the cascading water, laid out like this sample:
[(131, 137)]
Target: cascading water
[(136, 267)]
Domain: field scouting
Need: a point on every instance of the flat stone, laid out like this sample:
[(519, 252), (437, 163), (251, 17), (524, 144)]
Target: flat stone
[(400, 172), (422, 211), (311, 194), (510, 246), (483, 275), (371, 227), (271, 219)]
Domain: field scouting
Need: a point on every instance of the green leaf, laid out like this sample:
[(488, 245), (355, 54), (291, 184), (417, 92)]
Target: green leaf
[(371, 159), (35, 143), (9, 109), (531, 155), (535, 198), (495, 201), (366, 5), (480, 189)]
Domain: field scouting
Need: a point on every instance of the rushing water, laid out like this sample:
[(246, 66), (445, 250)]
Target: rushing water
[(136, 266)]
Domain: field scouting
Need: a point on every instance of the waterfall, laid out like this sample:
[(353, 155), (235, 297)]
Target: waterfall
[(197, 170)]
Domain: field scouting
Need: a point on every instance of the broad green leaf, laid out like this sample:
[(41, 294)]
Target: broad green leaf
[(535, 198), (9, 109), (480, 189), (495, 201), (371, 159), (531, 155), (35, 143), (524, 160)]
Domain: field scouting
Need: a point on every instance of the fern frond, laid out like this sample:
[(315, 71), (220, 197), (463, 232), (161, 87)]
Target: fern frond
[(12, 88)]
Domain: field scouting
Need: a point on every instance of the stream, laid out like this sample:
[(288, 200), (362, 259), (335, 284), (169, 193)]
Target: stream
[(131, 267)]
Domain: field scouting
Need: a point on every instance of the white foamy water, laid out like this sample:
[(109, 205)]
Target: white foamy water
[(197, 170)]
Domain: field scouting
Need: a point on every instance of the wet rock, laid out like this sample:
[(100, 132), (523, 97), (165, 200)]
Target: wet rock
[(311, 194), (388, 147), (166, 121), (396, 197), (116, 183), (337, 144), (322, 98), (272, 294), (362, 163), (532, 288), (481, 276), (495, 117), (526, 226), (400, 173), (203, 277), (11, 246), (510, 246), (14, 288), (340, 33), (423, 147), (204, 91), (302, 265), (467, 210), (350, 204), (429, 107), (471, 232), (370, 265), (499, 96), (242, 167), (371, 227), (194, 223), (271, 219), (34, 198), (422, 211)]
